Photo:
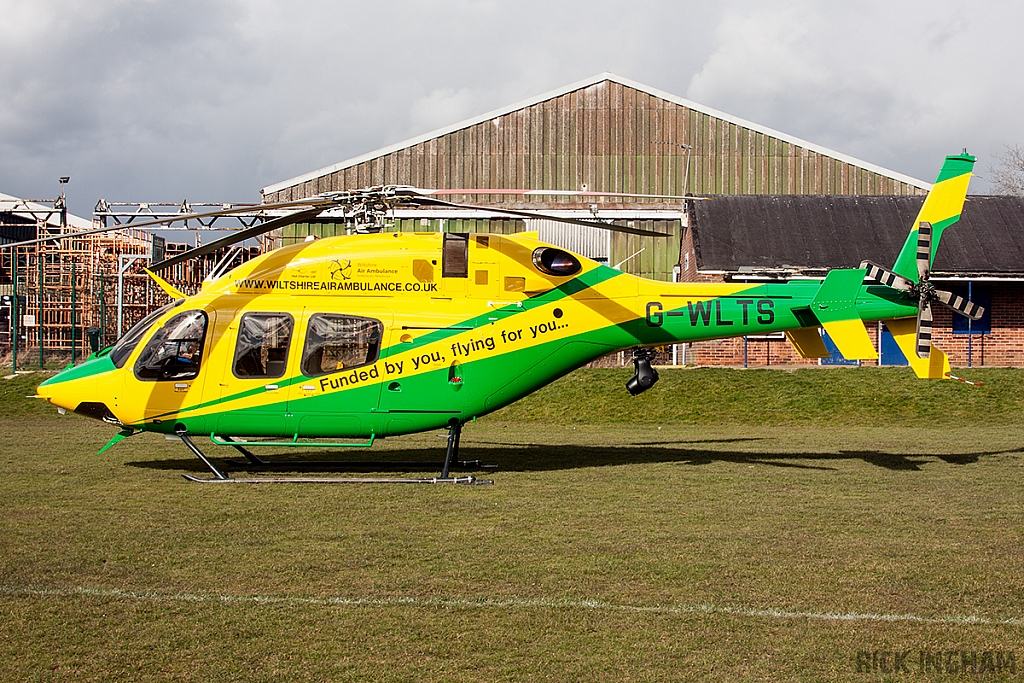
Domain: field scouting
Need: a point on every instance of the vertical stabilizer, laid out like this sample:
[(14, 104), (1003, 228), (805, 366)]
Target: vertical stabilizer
[(942, 208), (935, 365)]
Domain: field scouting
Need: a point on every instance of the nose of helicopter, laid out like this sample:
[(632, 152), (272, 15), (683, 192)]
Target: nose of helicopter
[(81, 389), (66, 394)]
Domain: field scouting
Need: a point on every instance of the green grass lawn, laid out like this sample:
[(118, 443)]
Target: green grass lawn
[(726, 525)]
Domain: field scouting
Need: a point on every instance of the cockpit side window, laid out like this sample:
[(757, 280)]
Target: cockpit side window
[(175, 351), (124, 346), (340, 342), (262, 347)]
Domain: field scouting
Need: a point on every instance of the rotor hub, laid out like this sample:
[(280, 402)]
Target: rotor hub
[(924, 291)]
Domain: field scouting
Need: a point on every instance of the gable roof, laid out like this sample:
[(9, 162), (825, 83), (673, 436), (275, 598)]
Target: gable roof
[(752, 232), (327, 170), (18, 219), (30, 211)]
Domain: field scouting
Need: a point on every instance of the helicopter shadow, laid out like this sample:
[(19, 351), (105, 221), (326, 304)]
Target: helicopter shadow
[(540, 457), (520, 457)]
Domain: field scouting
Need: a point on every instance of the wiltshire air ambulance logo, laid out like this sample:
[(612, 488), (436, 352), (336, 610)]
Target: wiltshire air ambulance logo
[(340, 269)]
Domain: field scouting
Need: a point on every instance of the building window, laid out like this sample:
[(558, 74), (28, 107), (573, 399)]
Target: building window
[(981, 296)]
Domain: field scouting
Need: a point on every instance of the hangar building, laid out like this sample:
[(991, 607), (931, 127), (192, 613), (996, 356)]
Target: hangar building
[(608, 133), (603, 134)]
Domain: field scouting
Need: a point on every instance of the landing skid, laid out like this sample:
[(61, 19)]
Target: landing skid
[(340, 480), (374, 465), (451, 460)]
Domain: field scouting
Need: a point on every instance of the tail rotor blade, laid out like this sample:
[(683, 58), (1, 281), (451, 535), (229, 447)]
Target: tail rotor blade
[(960, 304), (924, 250), (886, 277), (924, 328)]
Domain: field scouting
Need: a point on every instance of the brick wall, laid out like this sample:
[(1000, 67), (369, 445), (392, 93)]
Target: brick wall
[(759, 353), (1004, 346)]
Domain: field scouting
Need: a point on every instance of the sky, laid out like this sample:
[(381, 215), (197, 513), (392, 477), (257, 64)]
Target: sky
[(210, 101)]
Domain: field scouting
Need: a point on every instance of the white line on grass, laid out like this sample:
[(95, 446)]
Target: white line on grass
[(491, 603)]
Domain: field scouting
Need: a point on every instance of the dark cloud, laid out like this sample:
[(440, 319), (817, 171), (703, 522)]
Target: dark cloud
[(210, 101), (897, 84)]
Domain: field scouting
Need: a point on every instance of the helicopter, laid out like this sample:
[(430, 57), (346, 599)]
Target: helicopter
[(377, 334)]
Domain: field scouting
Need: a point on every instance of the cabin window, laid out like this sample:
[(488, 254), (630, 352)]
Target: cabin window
[(455, 257), (262, 347), (340, 342), (124, 346), (175, 351)]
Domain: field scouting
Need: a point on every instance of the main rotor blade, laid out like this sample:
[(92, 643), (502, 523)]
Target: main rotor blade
[(959, 304), (924, 328), (319, 201), (924, 251), (553, 193), (886, 277), (236, 237), (429, 201)]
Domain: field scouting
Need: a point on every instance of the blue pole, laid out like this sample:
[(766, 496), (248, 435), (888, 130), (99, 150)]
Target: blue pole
[(14, 311), (970, 332)]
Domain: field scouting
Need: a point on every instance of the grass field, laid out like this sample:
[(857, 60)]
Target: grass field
[(726, 525)]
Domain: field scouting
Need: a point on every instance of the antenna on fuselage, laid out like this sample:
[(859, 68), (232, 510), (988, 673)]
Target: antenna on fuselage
[(628, 258), (224, 264)]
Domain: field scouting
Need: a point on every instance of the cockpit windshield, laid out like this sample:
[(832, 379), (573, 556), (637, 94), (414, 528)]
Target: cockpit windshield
[(126, 344)]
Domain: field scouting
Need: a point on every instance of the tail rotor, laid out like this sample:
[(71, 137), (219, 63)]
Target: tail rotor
[(923, 291)]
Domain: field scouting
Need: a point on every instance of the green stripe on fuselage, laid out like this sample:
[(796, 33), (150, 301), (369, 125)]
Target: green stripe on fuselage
[(570, 288), (761, 309), (90, 368)]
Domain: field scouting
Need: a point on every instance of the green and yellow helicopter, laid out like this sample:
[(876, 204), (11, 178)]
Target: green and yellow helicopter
[(365, 336)]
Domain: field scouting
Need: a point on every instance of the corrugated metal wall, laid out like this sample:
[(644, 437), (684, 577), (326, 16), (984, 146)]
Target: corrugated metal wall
[(609, 137), (593, 243), (650, 257), (605, 137)]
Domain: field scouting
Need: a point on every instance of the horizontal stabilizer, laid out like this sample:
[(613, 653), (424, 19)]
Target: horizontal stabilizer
[(851, 338), (904, 331), (807, 342), (835, 306), (836, 298)]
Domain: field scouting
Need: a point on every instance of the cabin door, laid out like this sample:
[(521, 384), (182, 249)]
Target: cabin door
[(255, 355), (338, 371), (172, 369), (421, 384)]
